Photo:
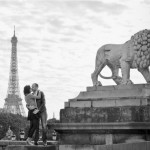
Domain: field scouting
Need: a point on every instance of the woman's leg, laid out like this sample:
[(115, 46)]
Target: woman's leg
[(34, 125), (36, 135), (29, 139), (30, 129)]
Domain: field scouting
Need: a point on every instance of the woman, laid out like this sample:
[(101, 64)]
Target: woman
[(33, 114)]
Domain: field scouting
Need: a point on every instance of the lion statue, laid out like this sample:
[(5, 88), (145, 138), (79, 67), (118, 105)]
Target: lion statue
[(134, 53)]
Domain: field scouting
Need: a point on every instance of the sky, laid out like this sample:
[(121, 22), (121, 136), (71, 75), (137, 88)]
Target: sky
[(58, 41)]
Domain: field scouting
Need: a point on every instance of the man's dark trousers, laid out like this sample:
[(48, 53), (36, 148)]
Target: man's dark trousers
[(43, 118)]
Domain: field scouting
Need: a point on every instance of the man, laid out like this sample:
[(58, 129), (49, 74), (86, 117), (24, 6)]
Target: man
[(43, 115)]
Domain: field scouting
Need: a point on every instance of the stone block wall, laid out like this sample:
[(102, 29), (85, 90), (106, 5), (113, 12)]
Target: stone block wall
[(108, 114)]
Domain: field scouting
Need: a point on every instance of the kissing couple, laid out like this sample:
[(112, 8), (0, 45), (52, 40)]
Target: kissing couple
[(35, 103)]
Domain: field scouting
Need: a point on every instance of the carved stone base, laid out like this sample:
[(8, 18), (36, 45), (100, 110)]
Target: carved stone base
[(106, 115), (102, 133)]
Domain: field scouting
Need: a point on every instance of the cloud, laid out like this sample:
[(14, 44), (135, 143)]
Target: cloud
[(147, 2), (97, 6), (56, 22)]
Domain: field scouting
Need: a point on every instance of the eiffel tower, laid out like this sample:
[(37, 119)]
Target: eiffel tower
[(13, 102)]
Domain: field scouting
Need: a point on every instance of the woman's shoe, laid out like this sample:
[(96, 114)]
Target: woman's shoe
[(45, 143), (29, 141), (36, 143)]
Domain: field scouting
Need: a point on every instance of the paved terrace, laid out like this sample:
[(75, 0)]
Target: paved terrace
[(125, 146), (21, 145)]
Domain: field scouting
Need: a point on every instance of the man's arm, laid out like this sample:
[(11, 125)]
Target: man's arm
[(29, 107), (43, 100)]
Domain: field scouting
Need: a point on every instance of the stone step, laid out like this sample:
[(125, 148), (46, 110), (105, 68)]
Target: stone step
[(118, 87), (114, 92), (27, 147), (108, 103)]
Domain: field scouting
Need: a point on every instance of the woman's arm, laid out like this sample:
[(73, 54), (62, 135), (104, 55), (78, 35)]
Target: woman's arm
[(27, 105), (36, 96)]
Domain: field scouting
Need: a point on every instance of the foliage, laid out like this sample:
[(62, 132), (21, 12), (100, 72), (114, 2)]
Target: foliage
[(50, 124), (16, 122), (53, 120)]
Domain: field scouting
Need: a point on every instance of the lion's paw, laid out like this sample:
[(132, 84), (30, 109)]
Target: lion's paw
[(98, 83), (127, 82)]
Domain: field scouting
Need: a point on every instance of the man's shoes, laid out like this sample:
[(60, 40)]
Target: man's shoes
[(45, 143), (36, 143), (29, 141)]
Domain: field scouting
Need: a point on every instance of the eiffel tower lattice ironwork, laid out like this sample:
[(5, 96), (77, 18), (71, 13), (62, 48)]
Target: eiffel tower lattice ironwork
[(13, 102)]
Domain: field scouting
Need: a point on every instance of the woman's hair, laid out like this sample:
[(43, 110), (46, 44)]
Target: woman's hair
[(27, 89)]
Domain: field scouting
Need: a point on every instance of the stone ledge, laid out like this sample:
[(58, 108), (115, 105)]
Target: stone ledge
[(114, 92), (125, 146), (80, 104), (117, 87), (102, 126), (9, 142), (108, 103)]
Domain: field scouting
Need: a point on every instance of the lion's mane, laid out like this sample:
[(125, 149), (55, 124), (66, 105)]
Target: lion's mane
[(141, 45)]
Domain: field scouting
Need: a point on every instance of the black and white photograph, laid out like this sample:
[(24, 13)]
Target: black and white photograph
[(74, 74)]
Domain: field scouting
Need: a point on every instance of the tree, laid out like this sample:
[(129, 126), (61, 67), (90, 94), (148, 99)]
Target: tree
[(15, 121)]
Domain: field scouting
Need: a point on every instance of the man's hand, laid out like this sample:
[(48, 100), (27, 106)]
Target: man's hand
[(35, 111), (31, 107)]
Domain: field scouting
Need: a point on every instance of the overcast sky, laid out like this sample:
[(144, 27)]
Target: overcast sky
[(58, 41)]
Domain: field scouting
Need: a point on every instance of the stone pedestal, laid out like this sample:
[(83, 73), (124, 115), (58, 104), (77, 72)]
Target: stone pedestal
[(106, 115)]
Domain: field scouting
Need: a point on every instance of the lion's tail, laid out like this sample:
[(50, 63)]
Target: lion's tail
[(105, 77)]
